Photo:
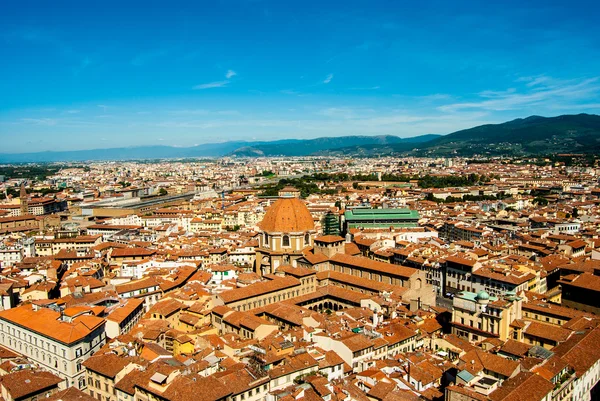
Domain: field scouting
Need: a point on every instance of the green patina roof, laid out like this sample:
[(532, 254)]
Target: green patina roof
[(471, 296), (381, 225), (380, 214)]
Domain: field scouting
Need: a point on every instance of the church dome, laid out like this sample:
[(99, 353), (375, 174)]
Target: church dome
[(482, 295), (287, 215)]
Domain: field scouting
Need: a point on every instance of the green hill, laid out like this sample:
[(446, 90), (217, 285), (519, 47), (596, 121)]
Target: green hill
[(532, 135)]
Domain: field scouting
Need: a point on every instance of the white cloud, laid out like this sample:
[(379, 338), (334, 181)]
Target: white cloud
[(204, 112), (538, 80), (534, 80), (230, 74), (328, 79), (367, 88), (555, 94), (209, 85), (40, 121)]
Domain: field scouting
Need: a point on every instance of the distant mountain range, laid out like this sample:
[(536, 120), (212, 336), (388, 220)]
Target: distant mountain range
[(304, 147), (285, 147), (529, 136)]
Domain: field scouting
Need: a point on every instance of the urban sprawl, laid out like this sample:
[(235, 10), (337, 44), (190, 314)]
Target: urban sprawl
[(301, 279)]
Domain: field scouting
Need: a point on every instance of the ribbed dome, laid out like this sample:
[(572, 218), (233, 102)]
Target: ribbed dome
[(287, 215), (483, 295)]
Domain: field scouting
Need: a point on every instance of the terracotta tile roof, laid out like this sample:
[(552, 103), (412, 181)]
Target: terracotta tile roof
[(167, 307), (373, 265), (240, 380), (253, 290), (515, 348), (356, 342), (461, 261), (586, 281), (297, 271), (524, 386), (551, 367), (46, 322), (71, 394), (247, 320), (315, 258), (329, 238), (581, 351), (361, 282), (287, 215), (293, 364), (137, 285), (108, 365), (26, 383), (124, 311), (131, 252), (476, 360)]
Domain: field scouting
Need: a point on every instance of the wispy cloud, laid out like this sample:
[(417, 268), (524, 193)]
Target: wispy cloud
[(209, 85), (546, 93), (345, 112), (534, 80), (328, 79), (203, 112), (365, 88), (40, 121), (217, 84)]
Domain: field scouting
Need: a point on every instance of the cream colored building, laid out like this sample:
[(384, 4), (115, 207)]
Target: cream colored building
[(479, 316)]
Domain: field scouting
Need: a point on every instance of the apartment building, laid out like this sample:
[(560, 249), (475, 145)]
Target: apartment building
[(103, 371), (477, 316), (55, 342)]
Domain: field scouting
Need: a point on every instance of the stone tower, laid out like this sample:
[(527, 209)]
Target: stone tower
[(23, 200)]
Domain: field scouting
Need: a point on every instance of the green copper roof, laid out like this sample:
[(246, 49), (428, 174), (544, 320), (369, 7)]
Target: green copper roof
[(381, 214), (471, 296), (359, 224)]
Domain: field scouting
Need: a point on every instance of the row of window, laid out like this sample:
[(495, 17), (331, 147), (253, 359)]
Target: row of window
[(254, 391), (28, 338)]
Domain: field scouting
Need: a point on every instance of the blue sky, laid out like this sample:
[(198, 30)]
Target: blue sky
[(84, 75)]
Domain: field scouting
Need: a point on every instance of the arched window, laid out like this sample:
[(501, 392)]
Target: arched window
[(306, 239), (266, 239), (285, 241)]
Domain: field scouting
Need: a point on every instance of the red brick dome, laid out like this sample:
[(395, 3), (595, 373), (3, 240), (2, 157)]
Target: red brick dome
[(287, 215)]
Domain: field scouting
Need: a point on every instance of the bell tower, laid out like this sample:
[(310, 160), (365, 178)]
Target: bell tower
[(23, 200)]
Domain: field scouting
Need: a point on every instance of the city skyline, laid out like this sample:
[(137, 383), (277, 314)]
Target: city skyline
[(80, 77)]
